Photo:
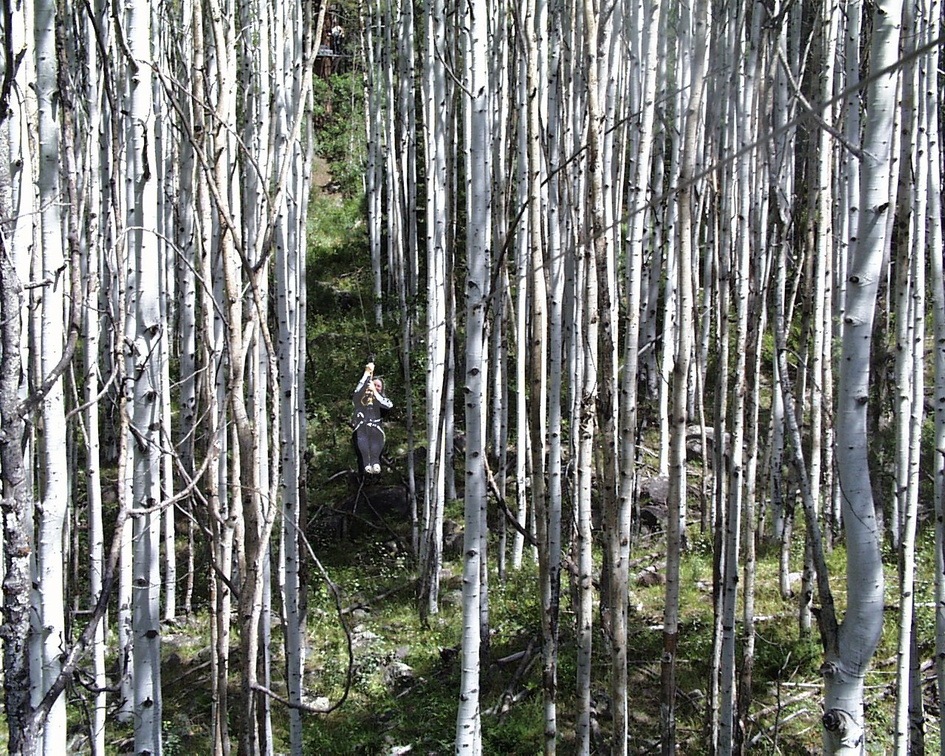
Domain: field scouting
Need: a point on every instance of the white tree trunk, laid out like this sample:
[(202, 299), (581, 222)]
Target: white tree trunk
[(675, 534), (478, 136), (937, 294), (144, 317), (17, 245), (50, 576), (849, 649), (436, 125), (910, 363), (92, 327)]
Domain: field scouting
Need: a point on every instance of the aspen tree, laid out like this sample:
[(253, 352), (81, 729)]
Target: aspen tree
[(24, 737), (548, 36), (436, 135), (522, 284), (725, 513), (849, 647), (407, 284), (937, 305), (848, 204), (49, 581), (675, 535), (849, 190), (666, 272), (478, 147), (578, 341), (820, 354), (757, 322), (587, 309), (237, 469), (737, 462), (598, 370), (616, 514), (187, 307), (289, 266), (533, 289), (145, 324), (640, 191), (499, 423), (119, 266), (641, 169), (251, 385), (211, 358), (551, 578), (288, 278), (501, 297), (782, 175), (93, 326), (165, 170), (909, 309), (371, 30)]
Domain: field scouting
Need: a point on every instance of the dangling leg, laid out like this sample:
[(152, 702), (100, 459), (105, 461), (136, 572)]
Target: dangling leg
[(376, 446), (362, 447)]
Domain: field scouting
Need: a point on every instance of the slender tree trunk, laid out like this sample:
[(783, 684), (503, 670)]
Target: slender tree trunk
[(555, 266), (597, 392), (849, 647), (910, 383), (24, 739), (92, 326), (477, 120), (585, 470), (675, 535), (144, 318), (937, 294), (435, 123), (49, 583), (16, 191)]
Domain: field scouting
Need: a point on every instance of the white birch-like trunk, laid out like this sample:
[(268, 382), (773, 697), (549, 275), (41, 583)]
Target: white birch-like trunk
[(187, 315), (289, 280), (522, 283), (17, 244), (50, 568), (910, 364), (849, 648), (478, 136), (555, 266), (737, 499), (92, 326), (636, 248), (144, 370), (598, 367), (436, 125), (535, 293), (373, 174), (822, 314), (675, 533), (585, 472), (211, 357), (937, 298), (848, 214), (164, 170)]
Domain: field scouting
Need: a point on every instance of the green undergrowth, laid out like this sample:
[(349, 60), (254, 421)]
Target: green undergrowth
[(379, 718), (403, 684)]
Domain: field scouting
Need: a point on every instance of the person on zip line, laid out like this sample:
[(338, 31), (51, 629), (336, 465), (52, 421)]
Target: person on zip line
[(370, 407)]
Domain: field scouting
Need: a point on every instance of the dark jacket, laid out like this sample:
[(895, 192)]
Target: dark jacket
[(369, 408)]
